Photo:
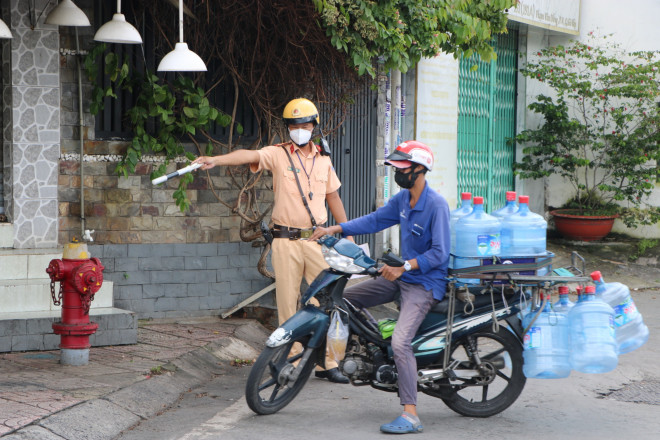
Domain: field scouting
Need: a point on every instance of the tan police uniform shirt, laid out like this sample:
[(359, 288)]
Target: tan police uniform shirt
[(288, 209)]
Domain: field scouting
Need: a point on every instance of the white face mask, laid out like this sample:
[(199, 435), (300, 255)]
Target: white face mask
[(300, 136)]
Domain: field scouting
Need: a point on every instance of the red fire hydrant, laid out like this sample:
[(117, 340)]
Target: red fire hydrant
[(80, 277)]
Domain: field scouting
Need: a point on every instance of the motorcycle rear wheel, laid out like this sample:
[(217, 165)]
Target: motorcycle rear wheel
[(269, 387), (496, 390)]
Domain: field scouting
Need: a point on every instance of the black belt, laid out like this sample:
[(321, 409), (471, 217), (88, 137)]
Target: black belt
[(291, 233)]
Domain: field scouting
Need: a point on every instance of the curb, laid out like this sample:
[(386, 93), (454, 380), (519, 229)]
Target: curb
[(106, 417)]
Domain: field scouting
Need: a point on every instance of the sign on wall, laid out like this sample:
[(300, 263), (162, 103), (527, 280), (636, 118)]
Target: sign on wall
[(557, 15), (436, 121)]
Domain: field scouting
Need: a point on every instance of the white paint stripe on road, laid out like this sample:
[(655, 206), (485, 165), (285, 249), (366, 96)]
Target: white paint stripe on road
[(222, 421)]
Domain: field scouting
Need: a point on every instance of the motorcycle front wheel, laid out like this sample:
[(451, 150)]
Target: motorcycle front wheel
[(276, 378), (499, 382)]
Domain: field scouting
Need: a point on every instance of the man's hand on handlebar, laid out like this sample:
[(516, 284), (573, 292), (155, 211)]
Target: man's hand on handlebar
[(391, 273), (320, 231)]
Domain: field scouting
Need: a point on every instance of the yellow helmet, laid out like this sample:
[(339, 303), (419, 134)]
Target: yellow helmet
[(299, 111)]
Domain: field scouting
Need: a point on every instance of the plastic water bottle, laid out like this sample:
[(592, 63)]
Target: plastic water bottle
[(545, 344), (524, 233), (477, 234), (461, 211), (564, 304), (591, 334), (509, 208), (631, 332)]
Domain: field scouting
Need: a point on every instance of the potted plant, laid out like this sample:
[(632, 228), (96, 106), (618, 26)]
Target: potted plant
[(600, 131)]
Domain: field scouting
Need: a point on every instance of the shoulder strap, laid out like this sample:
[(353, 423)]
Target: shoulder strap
[(302, 194)]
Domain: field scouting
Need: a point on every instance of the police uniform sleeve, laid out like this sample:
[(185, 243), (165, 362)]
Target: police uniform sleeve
[(267, 159), (333, 181)]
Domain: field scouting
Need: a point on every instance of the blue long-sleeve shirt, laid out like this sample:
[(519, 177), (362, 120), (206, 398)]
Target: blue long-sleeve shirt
[(424, 235)]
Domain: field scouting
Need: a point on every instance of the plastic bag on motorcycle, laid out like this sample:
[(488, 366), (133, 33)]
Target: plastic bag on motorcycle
[(337, 336)]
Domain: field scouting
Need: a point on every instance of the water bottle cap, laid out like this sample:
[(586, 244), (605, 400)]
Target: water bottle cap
[(596, 275), (510, 196), (590, 289), (523, 199), (563, 290), (578, 290), (478, 200), (466, 196)]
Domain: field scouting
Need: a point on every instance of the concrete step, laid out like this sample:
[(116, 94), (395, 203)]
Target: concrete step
[(33, 331), (23, 264), (25, 285), (6, 235), (33, 295)]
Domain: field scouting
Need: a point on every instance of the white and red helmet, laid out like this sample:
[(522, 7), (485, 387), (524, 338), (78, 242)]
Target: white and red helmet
[(410, 152)]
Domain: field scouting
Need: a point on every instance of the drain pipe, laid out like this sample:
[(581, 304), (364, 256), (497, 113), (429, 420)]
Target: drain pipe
[(387, 135), (395, 140), (80, 135)]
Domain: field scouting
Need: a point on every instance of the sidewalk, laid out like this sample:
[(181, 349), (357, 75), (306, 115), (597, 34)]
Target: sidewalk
[(43, 400)]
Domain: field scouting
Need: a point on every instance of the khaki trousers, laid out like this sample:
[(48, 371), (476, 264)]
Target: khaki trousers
[(292, 260)]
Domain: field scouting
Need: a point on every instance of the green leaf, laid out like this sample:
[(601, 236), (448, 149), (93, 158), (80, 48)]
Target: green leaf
[(191, 113)]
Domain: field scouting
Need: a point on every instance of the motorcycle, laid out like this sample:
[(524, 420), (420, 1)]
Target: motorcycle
[(471, 357)]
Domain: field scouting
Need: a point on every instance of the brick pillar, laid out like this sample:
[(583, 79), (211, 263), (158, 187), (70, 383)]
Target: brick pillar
[(32, 144)]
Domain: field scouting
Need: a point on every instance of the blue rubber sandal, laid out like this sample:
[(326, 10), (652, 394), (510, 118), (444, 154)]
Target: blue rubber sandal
[(403, 424)]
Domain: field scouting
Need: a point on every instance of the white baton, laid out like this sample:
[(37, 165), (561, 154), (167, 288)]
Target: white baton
[(176, 173)]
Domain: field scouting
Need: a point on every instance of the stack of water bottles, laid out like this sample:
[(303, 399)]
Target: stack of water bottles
[(514, 232), (587, 336)]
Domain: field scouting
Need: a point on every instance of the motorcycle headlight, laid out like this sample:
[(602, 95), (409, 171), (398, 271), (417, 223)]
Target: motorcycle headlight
[(340, 262)]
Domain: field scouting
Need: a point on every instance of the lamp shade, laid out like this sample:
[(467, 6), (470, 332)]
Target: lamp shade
[(4, 30), (66, 13), (181, 59), (118, 30)]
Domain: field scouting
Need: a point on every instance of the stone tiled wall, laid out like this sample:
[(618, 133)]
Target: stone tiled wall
[(32, 134), (5, 112), (130, 210), (179, 280)]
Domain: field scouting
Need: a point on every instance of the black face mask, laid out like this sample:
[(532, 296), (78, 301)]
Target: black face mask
[(406, 181)]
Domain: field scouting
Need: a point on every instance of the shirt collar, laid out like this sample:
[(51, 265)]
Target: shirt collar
[(419, 206), (294, 148)]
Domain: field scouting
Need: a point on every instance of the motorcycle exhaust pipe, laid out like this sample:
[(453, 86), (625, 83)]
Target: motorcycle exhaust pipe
[(430, 375)]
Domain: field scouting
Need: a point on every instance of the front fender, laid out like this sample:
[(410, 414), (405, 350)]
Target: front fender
[(307, 321)]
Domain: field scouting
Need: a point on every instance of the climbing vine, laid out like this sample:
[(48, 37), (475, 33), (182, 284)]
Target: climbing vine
[(399, 33)]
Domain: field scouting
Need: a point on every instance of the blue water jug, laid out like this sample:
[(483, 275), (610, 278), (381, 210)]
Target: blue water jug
[(631, 332), (564, 303), (546, 353), (591, 334), (524, 233), (509, 208), (477, 234), (461, 211)]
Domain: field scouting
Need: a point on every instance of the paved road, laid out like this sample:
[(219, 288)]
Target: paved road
[(620, 404)]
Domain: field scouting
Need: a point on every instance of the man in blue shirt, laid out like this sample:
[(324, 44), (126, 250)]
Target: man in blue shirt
[(423, 216)]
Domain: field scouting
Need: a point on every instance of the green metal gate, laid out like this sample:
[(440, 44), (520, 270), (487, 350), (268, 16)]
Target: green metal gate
[(486, 119)]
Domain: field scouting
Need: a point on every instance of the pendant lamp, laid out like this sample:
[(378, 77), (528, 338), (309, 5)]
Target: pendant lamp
[(181, 59), (4, 30), (118, 30), (66, 13)]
